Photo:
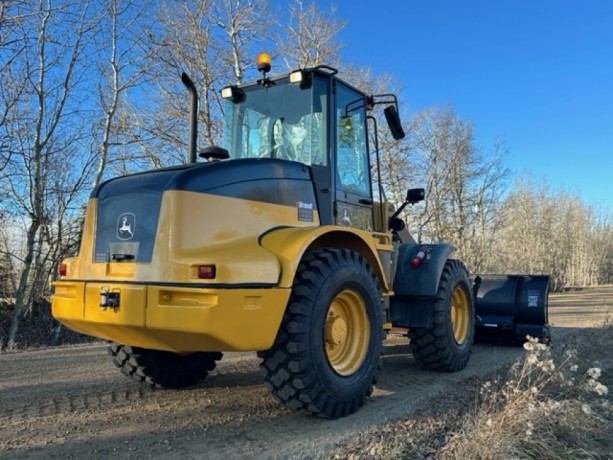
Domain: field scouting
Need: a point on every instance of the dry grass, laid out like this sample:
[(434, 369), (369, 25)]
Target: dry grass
[(554, 403)]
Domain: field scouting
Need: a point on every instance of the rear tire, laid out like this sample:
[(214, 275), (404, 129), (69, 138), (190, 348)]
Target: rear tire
[(447, 345), (163, 369), (326, 354)]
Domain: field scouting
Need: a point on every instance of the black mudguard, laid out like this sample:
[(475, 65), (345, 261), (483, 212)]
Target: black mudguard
[(415, 288)]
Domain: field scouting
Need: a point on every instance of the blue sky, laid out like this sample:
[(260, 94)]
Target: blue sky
[(538, 74)]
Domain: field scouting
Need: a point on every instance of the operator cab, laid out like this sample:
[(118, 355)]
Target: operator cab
[(312, 117)]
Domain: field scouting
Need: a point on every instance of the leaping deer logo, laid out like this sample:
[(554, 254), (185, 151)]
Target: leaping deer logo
[(126, 225)]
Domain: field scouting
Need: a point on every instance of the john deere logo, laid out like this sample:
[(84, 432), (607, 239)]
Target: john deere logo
[(126, 225)]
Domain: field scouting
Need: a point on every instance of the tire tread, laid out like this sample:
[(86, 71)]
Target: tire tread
[(432, 346), (287, 367), (161, 369)]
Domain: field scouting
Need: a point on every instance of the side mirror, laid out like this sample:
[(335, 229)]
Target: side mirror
[(415, 195), (393, 121)]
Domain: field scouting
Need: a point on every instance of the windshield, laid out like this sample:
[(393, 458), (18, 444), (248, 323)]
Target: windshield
[(279, 121)]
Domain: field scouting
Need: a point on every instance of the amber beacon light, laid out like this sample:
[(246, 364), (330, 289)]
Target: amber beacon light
[(263, 62)]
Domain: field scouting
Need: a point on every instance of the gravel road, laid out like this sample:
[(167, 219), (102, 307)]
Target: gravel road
[(71, 402)]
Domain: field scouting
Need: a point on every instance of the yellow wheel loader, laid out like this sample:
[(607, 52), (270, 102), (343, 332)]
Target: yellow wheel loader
[(274, 244)]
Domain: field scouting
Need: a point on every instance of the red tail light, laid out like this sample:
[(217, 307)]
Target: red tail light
[(62, 270), (419, 257), (206, 272)]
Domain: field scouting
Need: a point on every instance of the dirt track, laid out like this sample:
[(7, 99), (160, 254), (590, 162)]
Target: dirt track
[(71, 402)]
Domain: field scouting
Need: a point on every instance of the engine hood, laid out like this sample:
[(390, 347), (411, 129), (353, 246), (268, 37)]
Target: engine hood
[(128, 207)]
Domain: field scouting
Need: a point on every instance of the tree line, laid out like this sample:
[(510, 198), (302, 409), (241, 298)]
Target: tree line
[(91, 89)]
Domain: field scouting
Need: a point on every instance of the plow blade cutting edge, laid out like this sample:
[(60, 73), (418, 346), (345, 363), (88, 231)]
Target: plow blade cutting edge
[(510, 307)]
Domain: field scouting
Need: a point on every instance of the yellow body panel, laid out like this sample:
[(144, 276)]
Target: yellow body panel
[(184, 240), (163, 304), (289, 244), (154, 312), (231, 319), (174, 319), (227, 237)]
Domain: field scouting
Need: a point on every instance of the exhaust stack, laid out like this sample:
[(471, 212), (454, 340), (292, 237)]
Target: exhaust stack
[(193, 117)]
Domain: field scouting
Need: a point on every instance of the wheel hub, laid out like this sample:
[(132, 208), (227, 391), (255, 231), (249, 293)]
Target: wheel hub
[(460, 313), (336, 330), (346, 332)]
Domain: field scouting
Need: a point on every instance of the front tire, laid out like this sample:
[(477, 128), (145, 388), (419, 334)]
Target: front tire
[(447, 345), (326, 354), (163, 369)]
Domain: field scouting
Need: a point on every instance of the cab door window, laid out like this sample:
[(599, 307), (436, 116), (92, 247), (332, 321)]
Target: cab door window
[(352, 155), (353, 190)]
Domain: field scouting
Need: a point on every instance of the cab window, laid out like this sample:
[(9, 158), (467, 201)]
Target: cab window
[(351, 151), (281, 121)]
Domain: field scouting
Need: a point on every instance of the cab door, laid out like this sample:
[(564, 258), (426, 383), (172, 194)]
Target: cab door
[(352, 168)]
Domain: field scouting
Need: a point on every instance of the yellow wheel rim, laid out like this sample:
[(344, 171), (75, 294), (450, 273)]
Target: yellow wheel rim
[(460, 315), (347, 332)]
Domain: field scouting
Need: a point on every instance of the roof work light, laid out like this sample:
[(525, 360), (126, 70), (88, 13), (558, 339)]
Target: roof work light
[(234, 93)]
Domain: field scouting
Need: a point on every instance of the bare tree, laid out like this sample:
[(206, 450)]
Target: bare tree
[(310, 36), (54, 38), (464, 187), (554, 233), (182, 41), (12, 83), (122, 67), (243, 23), (7, 278), (602, 246), (177, 41), (212, 41)]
